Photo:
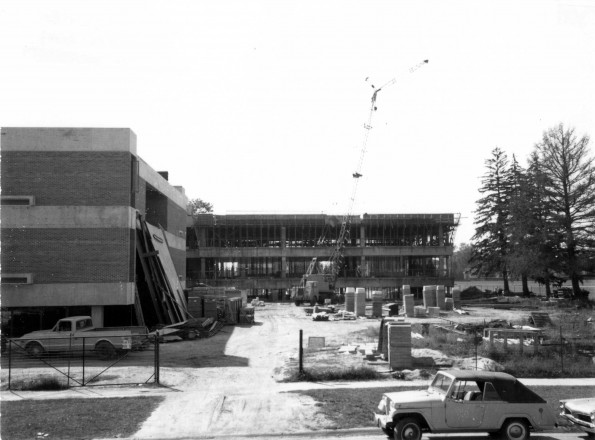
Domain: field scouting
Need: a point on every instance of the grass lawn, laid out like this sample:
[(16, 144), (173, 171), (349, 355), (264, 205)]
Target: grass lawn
[(78, 419), (353, 408)]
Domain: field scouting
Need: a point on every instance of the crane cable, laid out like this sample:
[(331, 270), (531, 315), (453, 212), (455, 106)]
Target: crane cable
[(346, 220)]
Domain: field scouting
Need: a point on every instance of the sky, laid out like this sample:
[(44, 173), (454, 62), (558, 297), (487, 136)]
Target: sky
[(260, 106)]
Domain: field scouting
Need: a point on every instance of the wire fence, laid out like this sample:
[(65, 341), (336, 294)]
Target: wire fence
[(58, 363)]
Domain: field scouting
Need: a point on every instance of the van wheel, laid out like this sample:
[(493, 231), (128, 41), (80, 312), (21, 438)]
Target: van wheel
[(105, 350), (515, 430), (407, 429), (34, 349)]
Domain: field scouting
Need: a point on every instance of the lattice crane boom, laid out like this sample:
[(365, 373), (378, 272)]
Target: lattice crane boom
[(337, 254)]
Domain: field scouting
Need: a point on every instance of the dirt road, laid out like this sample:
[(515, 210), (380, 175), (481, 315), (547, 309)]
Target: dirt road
[(229, 381)]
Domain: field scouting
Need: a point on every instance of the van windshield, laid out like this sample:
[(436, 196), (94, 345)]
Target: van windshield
[(440, 384)]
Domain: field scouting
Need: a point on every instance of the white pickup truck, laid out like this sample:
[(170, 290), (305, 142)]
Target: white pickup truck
[(77, 332)]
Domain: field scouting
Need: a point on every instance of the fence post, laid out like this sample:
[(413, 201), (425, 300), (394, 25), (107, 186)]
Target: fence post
[(157, 357), (84, 339), (9, 361), (561, 350), (301, 354)]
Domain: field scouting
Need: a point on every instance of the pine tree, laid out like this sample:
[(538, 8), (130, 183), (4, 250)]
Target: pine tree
[(491, 241), (570, 195)]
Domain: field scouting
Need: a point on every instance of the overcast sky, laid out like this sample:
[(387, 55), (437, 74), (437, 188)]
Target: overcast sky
[(259, 106)]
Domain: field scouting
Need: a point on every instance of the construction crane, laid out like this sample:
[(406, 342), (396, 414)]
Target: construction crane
[(336, 259)]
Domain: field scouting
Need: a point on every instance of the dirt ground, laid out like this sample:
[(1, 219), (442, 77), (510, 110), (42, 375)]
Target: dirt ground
[(230, 381)]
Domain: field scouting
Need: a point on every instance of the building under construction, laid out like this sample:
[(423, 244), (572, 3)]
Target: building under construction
[(270, 253)]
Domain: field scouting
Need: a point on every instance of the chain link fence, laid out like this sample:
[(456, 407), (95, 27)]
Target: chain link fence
[(76, 362)]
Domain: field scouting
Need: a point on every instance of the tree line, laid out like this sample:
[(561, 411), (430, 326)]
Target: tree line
[(536, 222)]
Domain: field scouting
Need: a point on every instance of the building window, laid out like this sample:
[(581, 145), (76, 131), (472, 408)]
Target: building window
[(18, 200), (17, 278)]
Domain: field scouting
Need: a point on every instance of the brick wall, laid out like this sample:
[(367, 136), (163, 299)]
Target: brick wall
[(68, 178), (68, 255)]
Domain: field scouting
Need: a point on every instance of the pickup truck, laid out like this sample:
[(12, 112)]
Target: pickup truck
[(76, 332)]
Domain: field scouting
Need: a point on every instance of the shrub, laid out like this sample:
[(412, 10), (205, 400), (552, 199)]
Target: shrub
[(39, 384), (353, 373)]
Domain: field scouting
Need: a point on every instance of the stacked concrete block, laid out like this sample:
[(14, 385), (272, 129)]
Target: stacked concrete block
[(433, 312), (419, 311), (350, 299), (360, 301), (456, 297), (399, 346), (440, 296), (406, 289), (383, 337), (429, 296), (408, 305), (377, 297), (448, 305)]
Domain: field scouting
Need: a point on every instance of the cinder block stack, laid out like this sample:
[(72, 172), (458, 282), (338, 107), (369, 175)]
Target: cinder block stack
[(408, 304), (383, 337), (456, 297), (406, 289), (419, 311), (429, 295), (440, 294), (448, 304), (360, 301), (434, 312), (350, 299), (399, 346), (377, 297)]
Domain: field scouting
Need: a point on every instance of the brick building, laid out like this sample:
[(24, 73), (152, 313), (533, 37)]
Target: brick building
[(70, 199)]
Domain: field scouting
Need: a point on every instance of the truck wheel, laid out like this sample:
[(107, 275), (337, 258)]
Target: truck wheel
[(515, 430), (407, 429), (105, 350), (34, 349)]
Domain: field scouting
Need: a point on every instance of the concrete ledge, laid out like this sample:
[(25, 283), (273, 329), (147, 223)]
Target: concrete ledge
[(67, 294), (68, 139)]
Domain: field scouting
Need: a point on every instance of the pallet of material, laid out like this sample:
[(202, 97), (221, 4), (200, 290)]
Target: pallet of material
[(540, 319)]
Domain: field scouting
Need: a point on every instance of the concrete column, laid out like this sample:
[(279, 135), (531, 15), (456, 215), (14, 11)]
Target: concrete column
[(97, 315), (203, 268), (283, 237), (283, 267), (362, 265), (440, 235), (362, 236)]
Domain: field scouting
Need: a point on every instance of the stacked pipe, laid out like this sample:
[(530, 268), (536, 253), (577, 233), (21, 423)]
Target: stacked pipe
[(440, 294), (350, 299), (399, 346), (429, 295), (377, 297), (360, 301)]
